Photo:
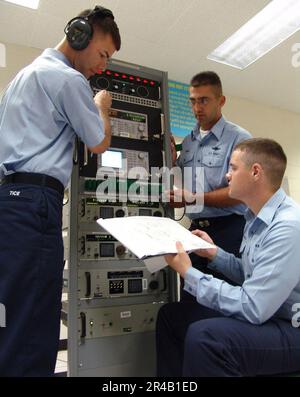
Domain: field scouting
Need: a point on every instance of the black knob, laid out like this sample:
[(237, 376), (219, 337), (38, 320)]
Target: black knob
[(153, 284), (142, 91), (120, 250), (102, 83), (120, 213)]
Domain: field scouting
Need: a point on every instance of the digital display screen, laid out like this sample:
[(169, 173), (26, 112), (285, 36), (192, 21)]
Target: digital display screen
[(136, 117), (112, 159)]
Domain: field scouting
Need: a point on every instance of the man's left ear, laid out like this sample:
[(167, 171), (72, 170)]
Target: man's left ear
[(222, 100)]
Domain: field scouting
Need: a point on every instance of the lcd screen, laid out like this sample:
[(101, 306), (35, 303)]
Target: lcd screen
[(112, 159)]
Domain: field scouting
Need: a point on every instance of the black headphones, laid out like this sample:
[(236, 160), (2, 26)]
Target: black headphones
[(79, 30)]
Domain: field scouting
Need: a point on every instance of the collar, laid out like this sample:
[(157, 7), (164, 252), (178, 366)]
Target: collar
[(217, 129), (58, 55), (267, 212)]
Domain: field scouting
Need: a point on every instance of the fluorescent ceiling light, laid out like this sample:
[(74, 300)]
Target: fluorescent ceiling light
[(26, 3), (270, 27)]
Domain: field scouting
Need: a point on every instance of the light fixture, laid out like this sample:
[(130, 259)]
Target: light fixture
[(26, 3), (270, 27)]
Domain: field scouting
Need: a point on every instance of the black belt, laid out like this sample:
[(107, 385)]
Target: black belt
[(35, 179), (206, 222)]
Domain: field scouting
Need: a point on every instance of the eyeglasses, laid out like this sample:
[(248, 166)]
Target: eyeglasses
[(200, 101)]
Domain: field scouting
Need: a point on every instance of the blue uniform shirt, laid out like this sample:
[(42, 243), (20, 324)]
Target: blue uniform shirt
[(42, 109), (213, 153), (268, 272)]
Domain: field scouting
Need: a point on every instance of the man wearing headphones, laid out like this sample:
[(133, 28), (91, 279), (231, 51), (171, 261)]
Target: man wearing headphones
[(46, 105)]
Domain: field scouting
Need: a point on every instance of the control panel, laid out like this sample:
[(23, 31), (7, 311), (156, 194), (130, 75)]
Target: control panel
[(126, 84), (113, 299), (90, 209), (129, 124), (115, 190), (108, 283), (124, 163), (101, 246), (112, 321)]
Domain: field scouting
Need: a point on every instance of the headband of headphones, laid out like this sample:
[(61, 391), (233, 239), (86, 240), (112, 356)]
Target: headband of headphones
[(101, 11), (79, 31)]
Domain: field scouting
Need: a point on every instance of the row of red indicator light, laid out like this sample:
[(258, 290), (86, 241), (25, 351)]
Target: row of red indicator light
[(124, 76)]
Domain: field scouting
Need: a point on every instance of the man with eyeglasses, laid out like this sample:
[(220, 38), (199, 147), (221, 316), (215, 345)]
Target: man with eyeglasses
[(209, 146)]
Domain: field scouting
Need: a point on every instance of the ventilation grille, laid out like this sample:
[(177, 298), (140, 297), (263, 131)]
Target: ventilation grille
[(131, 99)]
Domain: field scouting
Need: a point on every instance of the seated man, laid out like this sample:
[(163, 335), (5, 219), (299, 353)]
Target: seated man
[(242, 330)]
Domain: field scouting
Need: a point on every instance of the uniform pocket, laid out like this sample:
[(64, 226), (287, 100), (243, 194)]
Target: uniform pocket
[(214, 157), (187, 158), (214, 161)]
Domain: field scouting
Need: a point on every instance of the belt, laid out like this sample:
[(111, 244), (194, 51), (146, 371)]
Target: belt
[(35, 179), (206, 222)]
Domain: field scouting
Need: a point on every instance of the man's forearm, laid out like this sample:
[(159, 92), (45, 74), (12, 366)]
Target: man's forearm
[(219, 198), (107, 128), (216, 198), (106, 122)]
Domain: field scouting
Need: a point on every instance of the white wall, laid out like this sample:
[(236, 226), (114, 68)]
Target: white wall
[(16, 58), (269, 122)]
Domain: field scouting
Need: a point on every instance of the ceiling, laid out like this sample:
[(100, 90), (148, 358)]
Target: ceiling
[(171, 35)]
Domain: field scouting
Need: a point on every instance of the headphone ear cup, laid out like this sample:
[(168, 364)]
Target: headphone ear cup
[(79, 32)]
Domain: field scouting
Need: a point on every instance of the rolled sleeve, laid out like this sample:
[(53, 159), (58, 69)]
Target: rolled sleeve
[(76, 103)]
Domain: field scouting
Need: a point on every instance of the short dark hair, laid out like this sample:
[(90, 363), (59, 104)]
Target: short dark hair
[(105, 25), (269, 154), (207, 78)]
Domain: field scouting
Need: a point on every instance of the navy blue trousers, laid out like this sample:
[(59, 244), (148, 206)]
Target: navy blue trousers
[(226, 234), (31, 266), (195, 341)]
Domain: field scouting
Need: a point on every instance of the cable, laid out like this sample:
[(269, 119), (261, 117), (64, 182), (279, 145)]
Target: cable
[(167, 209)]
